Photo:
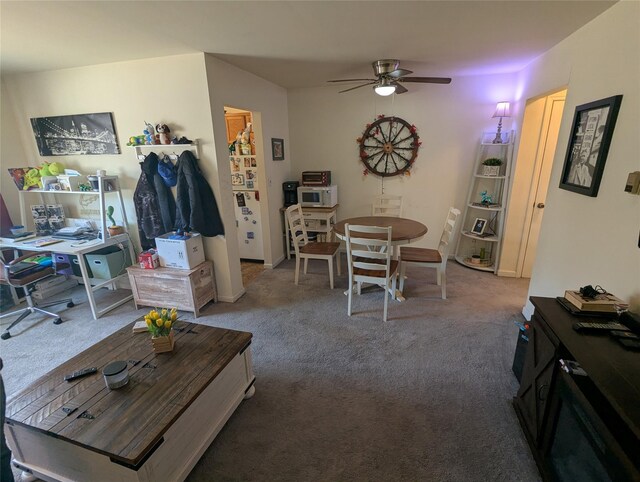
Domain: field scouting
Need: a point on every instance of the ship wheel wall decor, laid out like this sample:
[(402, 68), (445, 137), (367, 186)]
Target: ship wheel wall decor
[(389, 146)]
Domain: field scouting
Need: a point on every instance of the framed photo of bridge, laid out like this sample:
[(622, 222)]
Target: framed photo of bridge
[(91, 134)]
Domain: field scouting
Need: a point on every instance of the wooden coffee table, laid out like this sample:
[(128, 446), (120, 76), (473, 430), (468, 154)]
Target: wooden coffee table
[(155, 428)]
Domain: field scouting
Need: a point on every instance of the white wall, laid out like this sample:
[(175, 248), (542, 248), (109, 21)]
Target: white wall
[(171, 90), (588, 240), (449, 118), (230, 86), (12, 153)]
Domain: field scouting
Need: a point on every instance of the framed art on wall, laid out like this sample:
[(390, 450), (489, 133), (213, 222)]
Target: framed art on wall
[(277, 149), (76, 134), (589, 142)]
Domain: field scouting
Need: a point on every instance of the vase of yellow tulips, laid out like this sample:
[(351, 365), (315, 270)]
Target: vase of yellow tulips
[(160, 324)]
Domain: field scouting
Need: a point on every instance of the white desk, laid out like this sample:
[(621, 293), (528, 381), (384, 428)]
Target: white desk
[(80, 249)]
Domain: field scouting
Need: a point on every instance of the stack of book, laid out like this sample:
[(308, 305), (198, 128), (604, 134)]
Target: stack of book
[(603, 303)]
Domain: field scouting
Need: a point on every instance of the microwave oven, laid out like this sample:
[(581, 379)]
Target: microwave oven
[(318, 196)]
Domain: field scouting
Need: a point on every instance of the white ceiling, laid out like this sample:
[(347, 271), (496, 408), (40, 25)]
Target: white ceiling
[(293, 44)]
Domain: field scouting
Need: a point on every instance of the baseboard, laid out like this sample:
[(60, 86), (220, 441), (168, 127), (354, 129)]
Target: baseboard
[(507, 273), (232, 299), (527, 310), (275, 263)]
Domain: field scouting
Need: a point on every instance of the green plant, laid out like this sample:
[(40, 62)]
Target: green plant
[(110, 211), (492, 161)]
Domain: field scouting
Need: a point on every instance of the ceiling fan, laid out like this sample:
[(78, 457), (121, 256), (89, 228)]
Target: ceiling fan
[(389, 77)]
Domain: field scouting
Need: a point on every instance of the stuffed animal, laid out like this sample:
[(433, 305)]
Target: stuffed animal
[(149, 134), (163, 130), (56, 168), (31, 180)]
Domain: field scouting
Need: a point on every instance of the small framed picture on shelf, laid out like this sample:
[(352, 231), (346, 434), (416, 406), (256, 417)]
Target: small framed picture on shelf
[(479, 226)]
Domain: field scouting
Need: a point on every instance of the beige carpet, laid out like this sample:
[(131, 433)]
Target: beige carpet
[(425, 396)]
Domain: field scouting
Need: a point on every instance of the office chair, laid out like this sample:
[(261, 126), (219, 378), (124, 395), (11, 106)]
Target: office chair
[(26, 279)]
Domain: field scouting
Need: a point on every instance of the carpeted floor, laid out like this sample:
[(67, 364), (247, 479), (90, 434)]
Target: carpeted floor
[(423, 397)]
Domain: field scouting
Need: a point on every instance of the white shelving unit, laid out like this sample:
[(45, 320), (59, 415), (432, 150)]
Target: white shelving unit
[(489, 244), (107, 186)]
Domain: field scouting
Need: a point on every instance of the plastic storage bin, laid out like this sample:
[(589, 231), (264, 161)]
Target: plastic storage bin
[(75, 266), (109, 262), (62, 264)]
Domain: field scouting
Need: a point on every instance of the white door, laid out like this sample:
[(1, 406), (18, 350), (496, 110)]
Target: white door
[(542, 172)]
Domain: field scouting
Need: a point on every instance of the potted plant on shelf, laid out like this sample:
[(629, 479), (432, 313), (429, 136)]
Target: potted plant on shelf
[(114, 229), (160, 324), (491, 166)]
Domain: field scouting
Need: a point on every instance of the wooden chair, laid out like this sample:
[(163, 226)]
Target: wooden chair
[(387, 205), (370, 265), (306, 250), (26, 279), (431, 258)]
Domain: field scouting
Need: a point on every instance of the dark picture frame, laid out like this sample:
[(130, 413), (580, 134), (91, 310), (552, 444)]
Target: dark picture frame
[(479, 225), (589, 142), (277, 149)]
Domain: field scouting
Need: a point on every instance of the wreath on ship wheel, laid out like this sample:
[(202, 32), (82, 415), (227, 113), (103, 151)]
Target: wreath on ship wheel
[(389, 146)]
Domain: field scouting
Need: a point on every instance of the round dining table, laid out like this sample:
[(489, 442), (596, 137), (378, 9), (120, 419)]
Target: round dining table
[(403, 230)]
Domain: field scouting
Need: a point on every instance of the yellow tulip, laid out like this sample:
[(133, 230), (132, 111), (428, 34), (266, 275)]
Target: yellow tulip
[(153, 314), (174, 316), (164, 312), (167, 324), (159, 322), (148, 320), (174, 310)]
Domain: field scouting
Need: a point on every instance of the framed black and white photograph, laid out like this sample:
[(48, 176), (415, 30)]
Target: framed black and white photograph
[(589, 142), (92, 134), (277, 149), (478, 226)]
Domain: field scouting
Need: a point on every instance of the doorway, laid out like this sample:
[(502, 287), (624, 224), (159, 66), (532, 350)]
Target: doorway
[(540, 128), (247, 183)]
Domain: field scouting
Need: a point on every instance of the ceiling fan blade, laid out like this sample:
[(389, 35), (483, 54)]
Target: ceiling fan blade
[(426, 80), (399, 73), (358, 86), (400, 89), (353, 80)]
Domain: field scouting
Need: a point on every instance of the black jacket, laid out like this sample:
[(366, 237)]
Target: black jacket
[(155, 206), (196, 207)]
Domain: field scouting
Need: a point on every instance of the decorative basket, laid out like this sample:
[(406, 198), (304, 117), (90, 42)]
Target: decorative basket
[(162, 344)]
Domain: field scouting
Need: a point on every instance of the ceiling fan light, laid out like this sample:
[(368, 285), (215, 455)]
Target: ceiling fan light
[(384, 90)]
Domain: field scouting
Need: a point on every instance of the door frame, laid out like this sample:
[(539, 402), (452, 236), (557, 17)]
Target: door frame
[(543, 139)]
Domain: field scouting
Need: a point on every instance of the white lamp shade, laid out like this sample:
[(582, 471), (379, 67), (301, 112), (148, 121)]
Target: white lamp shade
[(384, 90), (502, 110)]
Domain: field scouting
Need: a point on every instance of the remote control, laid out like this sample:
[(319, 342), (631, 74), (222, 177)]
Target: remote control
[(579, 326), (80, 373)]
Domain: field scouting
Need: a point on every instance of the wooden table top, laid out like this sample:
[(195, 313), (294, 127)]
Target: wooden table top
[(402, 229), (127, 422)]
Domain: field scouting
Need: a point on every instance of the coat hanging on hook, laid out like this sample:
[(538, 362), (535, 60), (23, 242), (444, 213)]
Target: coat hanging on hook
[(196, 206)]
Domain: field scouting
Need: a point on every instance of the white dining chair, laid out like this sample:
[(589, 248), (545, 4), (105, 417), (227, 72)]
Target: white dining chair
[(431, 258), (387, 205), (307, 250), (370, 265)]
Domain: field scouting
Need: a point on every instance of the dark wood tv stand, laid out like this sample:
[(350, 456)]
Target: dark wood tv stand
[(607, 399)]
